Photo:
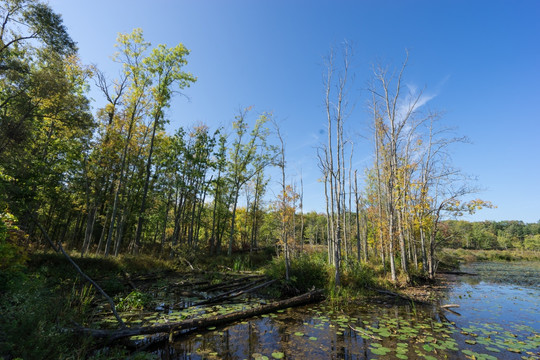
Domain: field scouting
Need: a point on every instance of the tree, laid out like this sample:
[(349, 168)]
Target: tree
[(284, 201), (246, 159), (332, 159), (164, 66), (28, 27)]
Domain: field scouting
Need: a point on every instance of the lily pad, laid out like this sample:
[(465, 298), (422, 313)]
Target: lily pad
[(378, 351)]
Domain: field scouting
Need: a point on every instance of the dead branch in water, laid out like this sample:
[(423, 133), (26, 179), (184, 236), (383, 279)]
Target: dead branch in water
[(198, 323)]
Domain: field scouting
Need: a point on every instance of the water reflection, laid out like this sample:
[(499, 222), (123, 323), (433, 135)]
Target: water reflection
[(497, 320)]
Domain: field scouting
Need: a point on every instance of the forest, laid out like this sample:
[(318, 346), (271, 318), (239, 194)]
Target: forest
[(116, 183)]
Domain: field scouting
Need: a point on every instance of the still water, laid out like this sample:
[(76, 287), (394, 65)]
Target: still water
[(498, 318)]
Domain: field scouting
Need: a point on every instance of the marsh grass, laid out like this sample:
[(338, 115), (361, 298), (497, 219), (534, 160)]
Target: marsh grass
[(466, 255)]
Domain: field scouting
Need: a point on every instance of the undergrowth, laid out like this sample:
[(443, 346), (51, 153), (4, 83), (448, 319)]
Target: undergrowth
[(36, 316), (312, 271), (306, 272)]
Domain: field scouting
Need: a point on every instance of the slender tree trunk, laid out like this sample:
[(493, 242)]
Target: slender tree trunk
[(164, 231), (214, 216), (391, 247), (329, 232), (423, 249), (199, 213), (120, 184), (402, 248), (301, 213), (231, 239), (358, 246), (145, 191), (91, 219), (102, 236)]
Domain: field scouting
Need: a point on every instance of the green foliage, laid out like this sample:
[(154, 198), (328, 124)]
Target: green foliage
[(532, 242), (358, 275), (491, 235), (13, 254), (237, 262), (466, 255), (135, 300), (306, 271), (49, 26), (34, 319)]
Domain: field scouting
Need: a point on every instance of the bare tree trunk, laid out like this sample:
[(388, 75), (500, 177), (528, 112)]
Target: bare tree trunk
[(402, 248), (358, 246), (329, 230), (301, 213), (423, 249)]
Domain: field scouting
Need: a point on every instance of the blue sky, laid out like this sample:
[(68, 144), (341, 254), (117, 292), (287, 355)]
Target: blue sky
[(479, 59)]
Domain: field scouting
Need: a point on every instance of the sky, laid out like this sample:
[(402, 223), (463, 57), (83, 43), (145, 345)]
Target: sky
[(479, 62)]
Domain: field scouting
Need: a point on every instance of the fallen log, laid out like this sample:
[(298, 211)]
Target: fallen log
[(112, 335), (447, 306), (457, 273), (400, 296), (223, 296), (229, 284), (452, 311), (235, 293)]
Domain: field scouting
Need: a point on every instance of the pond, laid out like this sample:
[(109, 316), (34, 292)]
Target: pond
[(498, 317)]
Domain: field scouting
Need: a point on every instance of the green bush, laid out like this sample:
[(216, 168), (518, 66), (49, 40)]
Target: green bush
[(357, 275), (306, 271)]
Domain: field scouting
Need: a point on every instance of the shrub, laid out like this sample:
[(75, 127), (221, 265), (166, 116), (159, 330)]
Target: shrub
[(357, 275), (135, 300), (306, 272)]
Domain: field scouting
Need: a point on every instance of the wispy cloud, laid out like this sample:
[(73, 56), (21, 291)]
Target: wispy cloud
[(412, 101)]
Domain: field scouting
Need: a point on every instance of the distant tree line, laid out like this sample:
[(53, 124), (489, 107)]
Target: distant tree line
[(491, 235)]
